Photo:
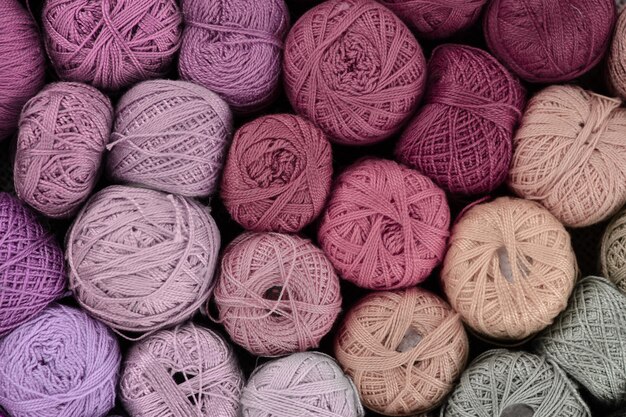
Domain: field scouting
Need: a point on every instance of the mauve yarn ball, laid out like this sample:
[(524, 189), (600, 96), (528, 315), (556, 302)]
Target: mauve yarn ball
[(60, 146), (278, 174), (385, 226), (62, 363), (235, 49), (549, 41), (141, 260), (462, 136), (171, 136), (32, 269), (111, 44), (616, 62), (354, 69)]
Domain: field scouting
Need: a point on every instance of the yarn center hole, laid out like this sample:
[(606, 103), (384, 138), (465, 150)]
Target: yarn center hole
[(273, 294), (506, 269), (275, 166), (391, 236), (182, 377), (410, 340), (517, 410)]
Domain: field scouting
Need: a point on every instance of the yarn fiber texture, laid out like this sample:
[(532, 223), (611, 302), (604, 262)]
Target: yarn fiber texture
[(309, 384), (404, 350), (616, 61), (462, 136), (278, 174), (60, 146), (549, 41), (111, 44), (32, 270), (141, 260), (276, 294), (510, 268), (62, 363), (171, 136), (613, 251), (385, 225), (355, 70), (570, 155), (184, 372)]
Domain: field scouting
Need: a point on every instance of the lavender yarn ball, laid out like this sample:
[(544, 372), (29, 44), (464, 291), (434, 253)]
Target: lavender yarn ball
[(171, 136), (62, 363)]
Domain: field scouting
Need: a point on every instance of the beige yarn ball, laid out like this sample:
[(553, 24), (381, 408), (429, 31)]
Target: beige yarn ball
[(616, 62), (613, 251)]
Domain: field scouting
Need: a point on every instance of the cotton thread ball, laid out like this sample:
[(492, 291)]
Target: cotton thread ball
[(462, 136), (278, 174), (111, 44), (61, 363), (276, 294), (613, 251), (616, 61), (171, 136), (141, 260), (355, 70), (185, 371), (32, 270), (309, 382), (404, 350), (385, 226)]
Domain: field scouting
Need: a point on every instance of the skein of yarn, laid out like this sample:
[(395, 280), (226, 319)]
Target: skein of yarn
[(616, 62), (234, 48), (278, 174), (549, 41), (188, 371), (404, 350), (355, 70), (141, 260), (385, 226), (276, 294), (570, 155), (62, 363), (309, 383), (462, 136), (171, 136), (613, 251), (111, 44)]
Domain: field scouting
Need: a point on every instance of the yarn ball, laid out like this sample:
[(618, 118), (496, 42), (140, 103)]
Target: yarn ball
[(354, 69), (171, 136), (276, 293), (235, 49), (514, 384), (111, 44), (307, 383), (278, 174), (569, 155), (61, 363), (549, 41), (613, 251), (616, 61), (385, 225), (587, 341), (32, 269), (23, 63), (62, 134), (186, 371), (141, 260), (404, 350), (462, 136), (510, 268)]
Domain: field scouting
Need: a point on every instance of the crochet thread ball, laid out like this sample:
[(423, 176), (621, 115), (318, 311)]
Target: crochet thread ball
[(308, 383), (462, 136), (549, 41), (141, 260), (278, 174), (235, 49), (61, 363), (385, 226), (276, 294), (616, 62), (514, 384), (60, 146), (32, 270), (510, 268), (613, 251), (186, 371), (587, 341), (404, 350), (569, 154), (171, 136), (355, 70), (111, 44)]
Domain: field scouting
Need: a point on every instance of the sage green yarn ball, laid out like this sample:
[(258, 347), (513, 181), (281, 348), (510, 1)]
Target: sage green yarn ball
[(613, 251)]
